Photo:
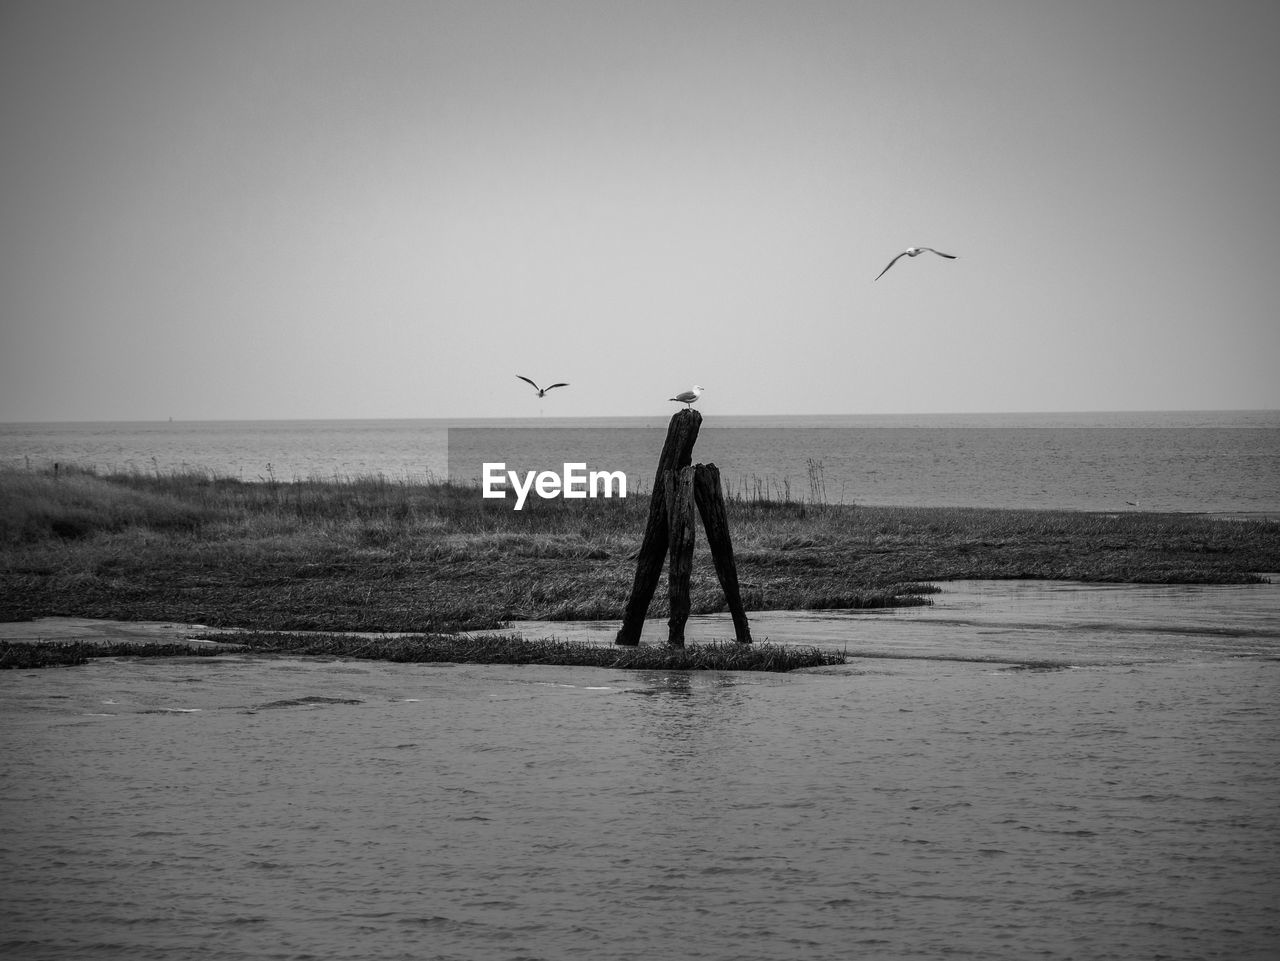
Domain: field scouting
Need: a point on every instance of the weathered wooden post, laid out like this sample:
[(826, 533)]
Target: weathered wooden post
[(710, 501), (678, 485), (669, 532), (677, 451)]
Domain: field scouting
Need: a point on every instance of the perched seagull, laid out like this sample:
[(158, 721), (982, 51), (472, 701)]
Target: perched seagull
[(688, 397), (914, 252), (542, 391)]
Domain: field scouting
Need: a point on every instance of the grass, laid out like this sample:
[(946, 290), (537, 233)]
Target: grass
[(369, 554), (22, 655), (445, 648)]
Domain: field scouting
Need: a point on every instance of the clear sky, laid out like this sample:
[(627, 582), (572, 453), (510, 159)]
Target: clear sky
[(323, 209)]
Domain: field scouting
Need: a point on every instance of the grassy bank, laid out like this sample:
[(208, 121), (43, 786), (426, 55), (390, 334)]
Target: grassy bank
[(370, 554)]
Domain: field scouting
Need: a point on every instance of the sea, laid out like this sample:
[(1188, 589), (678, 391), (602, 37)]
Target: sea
[(1022, 770), (1224, 462)]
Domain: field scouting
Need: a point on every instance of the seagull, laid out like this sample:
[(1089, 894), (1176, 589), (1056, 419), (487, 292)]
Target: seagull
[(914, 252), (542, 391), (688, 397)]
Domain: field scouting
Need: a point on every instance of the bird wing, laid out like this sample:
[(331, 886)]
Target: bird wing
[(939, 253), (554, 386), (891, 263), (528, 381)]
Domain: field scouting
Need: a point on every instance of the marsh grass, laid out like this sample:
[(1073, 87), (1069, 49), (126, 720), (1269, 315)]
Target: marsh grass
[(371, 554), (443, 648), (514, 649), (72, 653)]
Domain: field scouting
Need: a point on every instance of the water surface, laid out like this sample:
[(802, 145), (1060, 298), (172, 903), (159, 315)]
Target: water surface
[(1119, 805), (1207, 461)]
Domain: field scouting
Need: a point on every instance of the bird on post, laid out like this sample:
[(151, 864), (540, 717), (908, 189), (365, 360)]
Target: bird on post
[(542, 391), (913, 252), (688, 397)]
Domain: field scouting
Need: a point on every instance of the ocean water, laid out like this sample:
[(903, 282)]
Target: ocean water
[(1225, 462), (1060, 772)]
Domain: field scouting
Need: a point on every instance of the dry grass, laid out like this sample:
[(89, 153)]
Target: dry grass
[(514, 649), (371, 554)]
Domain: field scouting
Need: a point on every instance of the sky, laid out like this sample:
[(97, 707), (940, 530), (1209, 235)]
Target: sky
[(320, 209)]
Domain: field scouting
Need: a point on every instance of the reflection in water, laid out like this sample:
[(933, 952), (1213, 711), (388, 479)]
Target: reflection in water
[(683, 717)]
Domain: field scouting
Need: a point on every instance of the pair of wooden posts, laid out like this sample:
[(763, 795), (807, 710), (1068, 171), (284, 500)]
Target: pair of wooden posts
[(669, 533)]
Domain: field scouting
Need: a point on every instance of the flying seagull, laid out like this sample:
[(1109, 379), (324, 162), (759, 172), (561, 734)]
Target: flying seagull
[(914, 252), (688, 397), (542, 391)]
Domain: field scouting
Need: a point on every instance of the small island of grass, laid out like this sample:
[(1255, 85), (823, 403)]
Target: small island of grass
[(369, 554)]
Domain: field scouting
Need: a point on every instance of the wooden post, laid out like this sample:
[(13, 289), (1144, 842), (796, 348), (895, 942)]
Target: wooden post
[(710, 501), (677, 452), (678, 487)]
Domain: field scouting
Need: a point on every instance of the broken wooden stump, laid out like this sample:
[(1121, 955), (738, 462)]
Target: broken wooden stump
[(669, 533), (678, 487), (715, 521), (677, 451)]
